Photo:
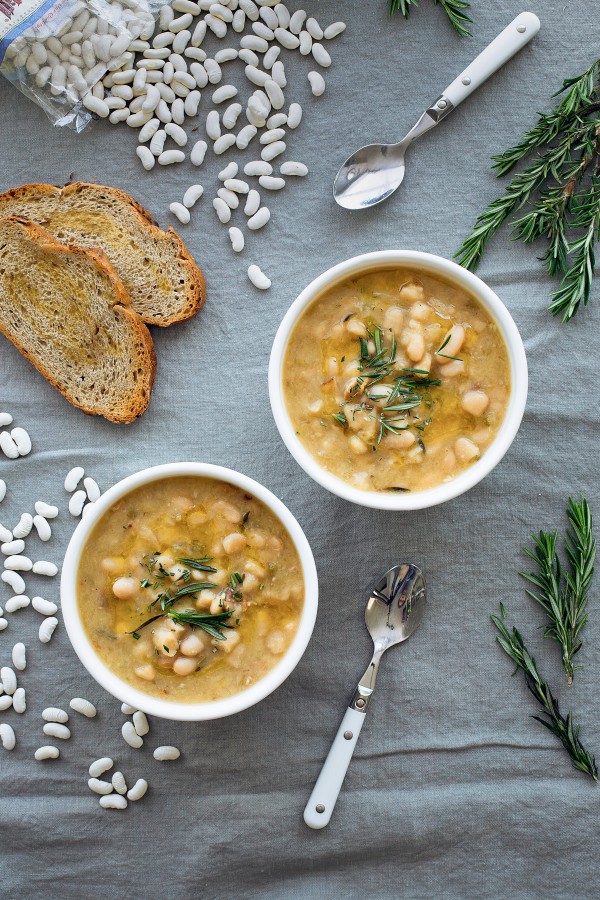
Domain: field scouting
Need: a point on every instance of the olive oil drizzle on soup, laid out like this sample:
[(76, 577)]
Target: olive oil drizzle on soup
[(396, 380), (230, 541)]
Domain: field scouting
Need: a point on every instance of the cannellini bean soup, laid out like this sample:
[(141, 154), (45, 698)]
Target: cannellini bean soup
[(190, 589), (396, 380)]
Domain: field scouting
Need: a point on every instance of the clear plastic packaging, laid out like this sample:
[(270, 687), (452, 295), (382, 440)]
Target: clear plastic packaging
[(56, 51)]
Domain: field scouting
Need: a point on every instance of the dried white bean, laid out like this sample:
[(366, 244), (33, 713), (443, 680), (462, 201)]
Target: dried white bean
[(258, 278), (165, 753), (130, 736), (272, 150), (248, 56), (22, 440), (198, 153), (47, 629), (43, 567), (119, 783), (19, 701), (177, 133), (18, 563), (179, 210), (19, 656), (20, 601), (222, 210), (258, 167), (94, 104), (7, 736), (297, 21), (226, 55), (5, 419), (39, 522), (24, 526), (55, 714), (47, 752), (306, 43), (11, 547), (113, 801), (321, 56), (287, 39), (270, 57), (140, 723), (237, 185), (14, 581), (245, 136), (223, 93), (213, 125), (314, 29), (100, 766), (8, 679), (57, 730), (294, 116), (254, 42), (256, 76), (146, 157), (190, 107), (333, 30), (216, 25), (224, 143), (278, 76), (6, 536), (269, 17), (252, 203), (45, 607), (231, 115), (271, 182), (237, 240), (317, 84), (169, 157), (230, 171), (239, 21), (3, 487), (138, 790), (100, 787), (3, 624), (45, 510), (76, 502), (231, 199), (213, 70), (84, 707), (181, 23), (250, 8), (273, 134)]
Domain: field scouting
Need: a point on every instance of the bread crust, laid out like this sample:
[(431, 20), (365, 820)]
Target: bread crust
[(196, 294), (137, 404)]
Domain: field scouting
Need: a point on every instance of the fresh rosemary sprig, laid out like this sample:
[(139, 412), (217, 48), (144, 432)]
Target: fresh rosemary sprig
[(454, 9), (559, 190), (212, 624), (551, 718), (564, 594), (198, 564)]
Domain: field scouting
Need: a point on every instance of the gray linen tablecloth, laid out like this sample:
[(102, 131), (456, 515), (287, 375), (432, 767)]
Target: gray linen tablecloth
[(454, 792)]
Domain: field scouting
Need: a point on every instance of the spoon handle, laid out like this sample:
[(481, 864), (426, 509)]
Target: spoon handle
[(514, 37), (325, 792)]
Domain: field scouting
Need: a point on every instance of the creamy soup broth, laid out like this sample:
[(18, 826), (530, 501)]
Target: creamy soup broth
[(396, 380), (130, 564)]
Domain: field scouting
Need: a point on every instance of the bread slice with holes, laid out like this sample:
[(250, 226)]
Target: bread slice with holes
[(66, 310), (159, 274)]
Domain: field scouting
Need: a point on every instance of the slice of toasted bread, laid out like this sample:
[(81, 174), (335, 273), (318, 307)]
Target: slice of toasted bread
[(160, 276), (65, 309)]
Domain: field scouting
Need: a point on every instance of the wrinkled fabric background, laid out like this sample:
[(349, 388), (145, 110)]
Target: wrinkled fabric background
[(454, 792)]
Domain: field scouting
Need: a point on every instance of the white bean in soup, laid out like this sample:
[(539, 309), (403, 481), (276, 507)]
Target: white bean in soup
[(190, 589), (396, 380)]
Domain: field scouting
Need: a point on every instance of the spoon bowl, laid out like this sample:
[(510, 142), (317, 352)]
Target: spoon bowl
[(369, 176)]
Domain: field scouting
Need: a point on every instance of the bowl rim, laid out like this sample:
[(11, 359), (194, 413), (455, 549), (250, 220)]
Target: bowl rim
[(451, 271), (126, 692)]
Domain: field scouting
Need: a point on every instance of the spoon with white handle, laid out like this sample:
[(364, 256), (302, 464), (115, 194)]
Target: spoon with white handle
[(374, 172), (394, 611)]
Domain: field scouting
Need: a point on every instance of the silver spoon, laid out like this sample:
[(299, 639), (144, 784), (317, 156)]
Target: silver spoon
[(394, 611), (374, 172)]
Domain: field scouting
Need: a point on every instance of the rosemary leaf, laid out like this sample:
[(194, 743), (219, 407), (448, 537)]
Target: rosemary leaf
[(454, 9), (550, 716)]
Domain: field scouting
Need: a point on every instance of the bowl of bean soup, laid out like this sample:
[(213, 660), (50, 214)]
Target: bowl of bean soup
[(189, 591), (398, 380)]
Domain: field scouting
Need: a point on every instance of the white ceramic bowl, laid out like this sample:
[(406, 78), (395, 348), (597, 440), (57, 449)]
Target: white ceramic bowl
[(450, 271), (126, 692)]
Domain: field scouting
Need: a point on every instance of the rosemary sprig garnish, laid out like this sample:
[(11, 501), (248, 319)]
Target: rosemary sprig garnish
[(564, 594), (198, 564), (212, 624), (454, 9), (559, 189), (551, 718)]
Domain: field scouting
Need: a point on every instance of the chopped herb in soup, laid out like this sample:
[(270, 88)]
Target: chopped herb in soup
[(190, 589), (396, 380)]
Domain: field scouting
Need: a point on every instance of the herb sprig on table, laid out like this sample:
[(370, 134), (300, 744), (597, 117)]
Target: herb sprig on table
[(559, 192), (550, 716), (563, 594), (456, 10)]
